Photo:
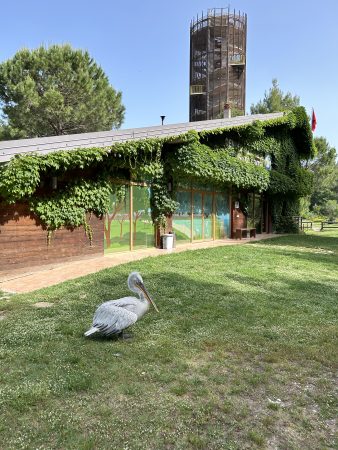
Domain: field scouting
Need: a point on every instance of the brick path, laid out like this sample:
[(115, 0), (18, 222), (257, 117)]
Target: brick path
[(23, 280)]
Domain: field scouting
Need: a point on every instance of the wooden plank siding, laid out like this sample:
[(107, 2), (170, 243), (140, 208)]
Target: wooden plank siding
[(23, 240)]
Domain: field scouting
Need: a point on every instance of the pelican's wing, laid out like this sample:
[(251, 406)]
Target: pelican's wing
[(130, 303), (111, 319), (123, 302)]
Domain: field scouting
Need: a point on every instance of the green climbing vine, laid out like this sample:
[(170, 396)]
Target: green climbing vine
[(198, 162), (225, 156)]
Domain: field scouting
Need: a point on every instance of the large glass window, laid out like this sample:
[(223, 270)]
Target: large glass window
[(207, 216), (143, 229), (117, 221), (182, 217), (202, 214), (222, 216), (121, 233)]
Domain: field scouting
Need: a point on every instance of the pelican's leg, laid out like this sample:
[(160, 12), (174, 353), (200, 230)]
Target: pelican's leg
[(125, 336)]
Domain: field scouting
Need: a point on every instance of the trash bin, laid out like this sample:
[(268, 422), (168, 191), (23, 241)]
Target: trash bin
[(168, 241), (174, 241)]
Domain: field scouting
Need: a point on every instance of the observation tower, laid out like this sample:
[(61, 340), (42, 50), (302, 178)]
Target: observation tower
[(217, 63)]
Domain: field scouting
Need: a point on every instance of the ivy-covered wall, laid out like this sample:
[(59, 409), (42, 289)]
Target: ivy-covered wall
[(223, 157)]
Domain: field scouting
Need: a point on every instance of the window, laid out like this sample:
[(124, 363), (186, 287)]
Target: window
[(128, 224)]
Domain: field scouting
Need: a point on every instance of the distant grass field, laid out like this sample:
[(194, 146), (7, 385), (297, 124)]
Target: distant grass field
[(242, 355)]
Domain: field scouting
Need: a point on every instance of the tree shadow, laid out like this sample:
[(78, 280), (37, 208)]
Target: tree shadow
[(15, 212), (298, 240)]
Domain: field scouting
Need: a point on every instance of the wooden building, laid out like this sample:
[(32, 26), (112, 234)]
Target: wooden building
[(208, 204)]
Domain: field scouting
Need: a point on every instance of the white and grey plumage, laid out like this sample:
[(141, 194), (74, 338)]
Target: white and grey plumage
[(114, 316)]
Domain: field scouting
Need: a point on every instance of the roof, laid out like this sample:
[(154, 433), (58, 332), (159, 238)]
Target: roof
[(44, 145)]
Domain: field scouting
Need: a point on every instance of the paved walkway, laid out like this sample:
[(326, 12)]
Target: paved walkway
[(22, 280)]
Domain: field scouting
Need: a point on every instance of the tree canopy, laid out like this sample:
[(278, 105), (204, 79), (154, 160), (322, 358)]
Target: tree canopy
[(324, 198), (56, 90), (275, 101)]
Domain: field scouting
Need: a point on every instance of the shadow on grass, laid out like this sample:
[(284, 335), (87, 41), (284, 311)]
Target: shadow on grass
[(301, 240), (322, 250)]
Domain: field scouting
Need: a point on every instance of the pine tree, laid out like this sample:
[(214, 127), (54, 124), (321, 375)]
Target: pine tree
[(56, 90), (274, 101)]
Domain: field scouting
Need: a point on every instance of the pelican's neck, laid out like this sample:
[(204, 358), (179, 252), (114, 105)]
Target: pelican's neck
[(134, 288), (142, 297), (145, 304)]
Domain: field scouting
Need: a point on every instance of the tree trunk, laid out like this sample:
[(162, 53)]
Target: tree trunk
[(135, 223), (107, 230)]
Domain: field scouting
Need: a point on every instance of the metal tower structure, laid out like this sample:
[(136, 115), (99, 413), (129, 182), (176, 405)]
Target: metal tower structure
[(217, 63)]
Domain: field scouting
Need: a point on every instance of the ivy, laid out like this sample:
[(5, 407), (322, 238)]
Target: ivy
[(225, 156), (195, 161), (162, 202), (19, 178), (68, 208)]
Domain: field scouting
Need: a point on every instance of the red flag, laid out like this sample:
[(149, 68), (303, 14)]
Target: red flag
[(313, 121)]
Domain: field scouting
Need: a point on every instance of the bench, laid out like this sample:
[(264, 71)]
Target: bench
[(239, 232), (328, 225)]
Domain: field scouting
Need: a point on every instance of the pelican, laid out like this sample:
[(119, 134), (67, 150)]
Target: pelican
[(114, 316)]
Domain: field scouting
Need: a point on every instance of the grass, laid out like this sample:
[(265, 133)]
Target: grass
[(241, 356)]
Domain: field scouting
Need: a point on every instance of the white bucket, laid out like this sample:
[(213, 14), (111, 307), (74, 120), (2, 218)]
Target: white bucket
[(168, 241)]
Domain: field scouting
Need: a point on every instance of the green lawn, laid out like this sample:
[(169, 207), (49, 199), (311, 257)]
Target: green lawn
[(241, 356)]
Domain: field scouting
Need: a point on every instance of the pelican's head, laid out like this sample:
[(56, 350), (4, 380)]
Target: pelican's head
[(135, 284)]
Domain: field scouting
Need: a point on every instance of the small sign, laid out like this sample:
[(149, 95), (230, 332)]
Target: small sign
[(236, 205), (267, 162)]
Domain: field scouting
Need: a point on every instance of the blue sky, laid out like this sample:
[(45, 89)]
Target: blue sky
[(143, 46)]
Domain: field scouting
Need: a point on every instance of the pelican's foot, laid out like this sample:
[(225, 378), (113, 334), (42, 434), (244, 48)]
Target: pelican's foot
[(126, 336)]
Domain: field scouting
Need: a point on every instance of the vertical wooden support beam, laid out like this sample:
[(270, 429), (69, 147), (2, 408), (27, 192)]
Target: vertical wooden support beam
[(230, 213), (202, 200), (192, 217), (131, 213), (214, 215), (253, 209)]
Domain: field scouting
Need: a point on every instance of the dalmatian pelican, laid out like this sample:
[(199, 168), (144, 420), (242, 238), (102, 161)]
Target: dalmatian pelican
[(114, 316)]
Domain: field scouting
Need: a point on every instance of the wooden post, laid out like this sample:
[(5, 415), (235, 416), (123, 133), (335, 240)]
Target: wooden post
[(131, 212)]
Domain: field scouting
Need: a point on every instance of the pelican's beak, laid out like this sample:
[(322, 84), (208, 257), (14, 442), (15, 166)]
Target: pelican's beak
[(144, 290)]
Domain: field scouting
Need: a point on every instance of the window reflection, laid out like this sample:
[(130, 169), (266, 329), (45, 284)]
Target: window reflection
[(222, 216), (117, 221), (143, 229), (182, 217)]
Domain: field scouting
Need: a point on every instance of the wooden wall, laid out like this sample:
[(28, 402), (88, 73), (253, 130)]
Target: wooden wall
[(23, 240), (239, 219)]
